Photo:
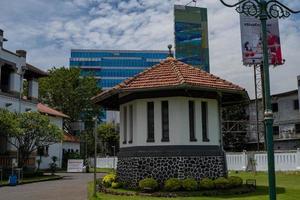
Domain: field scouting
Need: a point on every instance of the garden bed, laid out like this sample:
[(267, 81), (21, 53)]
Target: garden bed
[(174, 187), (244, 189)]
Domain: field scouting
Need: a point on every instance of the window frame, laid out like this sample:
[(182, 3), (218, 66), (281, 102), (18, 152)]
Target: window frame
[(165, 125), (124, 124), (150, 122), (204, 121), (130, 124), (192, 127)]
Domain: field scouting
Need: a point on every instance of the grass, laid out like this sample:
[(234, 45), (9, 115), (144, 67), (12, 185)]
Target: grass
[(288, 188), (102, 170), (35, 179)]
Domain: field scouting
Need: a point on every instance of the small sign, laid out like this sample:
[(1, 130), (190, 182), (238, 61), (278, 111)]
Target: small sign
[(75, 165)]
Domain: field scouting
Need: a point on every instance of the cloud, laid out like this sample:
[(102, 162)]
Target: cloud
[(49, 29)]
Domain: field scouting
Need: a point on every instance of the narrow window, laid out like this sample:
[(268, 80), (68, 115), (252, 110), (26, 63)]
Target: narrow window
[(130, 124), (165, 121), (275, 107), (204, 122), (150, 121), (296, 104), (125, 124), (192, 121), (297, 128), (275, 130)]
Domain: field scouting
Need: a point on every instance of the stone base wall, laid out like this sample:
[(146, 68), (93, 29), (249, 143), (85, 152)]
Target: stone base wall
[(131, 170)]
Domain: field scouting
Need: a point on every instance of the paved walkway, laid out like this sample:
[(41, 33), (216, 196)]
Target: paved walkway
[(71, 187)]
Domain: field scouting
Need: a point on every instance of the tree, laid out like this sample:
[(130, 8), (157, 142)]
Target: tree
[(8, 122), (235, 117), (109, 135), (64, 89), (35, 130)]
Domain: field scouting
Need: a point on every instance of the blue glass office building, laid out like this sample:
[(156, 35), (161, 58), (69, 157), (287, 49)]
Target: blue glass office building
[(111, 67)]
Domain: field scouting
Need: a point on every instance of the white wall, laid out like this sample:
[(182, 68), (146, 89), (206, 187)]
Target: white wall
[(14, 107), (178, 122), (33, 88), (58, 121), (71, 145), (54, 150)]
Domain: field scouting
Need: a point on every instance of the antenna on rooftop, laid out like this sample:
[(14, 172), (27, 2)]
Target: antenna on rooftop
[(193, 1), (170, 50)]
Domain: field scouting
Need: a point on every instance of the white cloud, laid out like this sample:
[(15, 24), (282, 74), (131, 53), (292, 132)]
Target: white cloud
[(49, 29)]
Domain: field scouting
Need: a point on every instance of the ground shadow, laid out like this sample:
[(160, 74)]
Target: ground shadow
[(259, 191)]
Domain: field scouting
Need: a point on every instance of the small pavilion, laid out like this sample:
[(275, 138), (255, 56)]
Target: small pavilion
[(170, 122)]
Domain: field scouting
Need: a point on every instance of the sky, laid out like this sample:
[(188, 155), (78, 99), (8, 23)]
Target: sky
[(47, 30)]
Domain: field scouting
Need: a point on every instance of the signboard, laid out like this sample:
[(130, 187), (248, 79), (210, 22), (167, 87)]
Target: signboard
[(252, 41), (191, 36), (75, 165)]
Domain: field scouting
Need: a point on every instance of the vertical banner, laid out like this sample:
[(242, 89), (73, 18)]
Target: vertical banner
[(252, 42), (191, 36)]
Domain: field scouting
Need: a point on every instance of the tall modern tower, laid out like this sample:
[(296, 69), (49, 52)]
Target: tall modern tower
[(191, 36), (111, 67)]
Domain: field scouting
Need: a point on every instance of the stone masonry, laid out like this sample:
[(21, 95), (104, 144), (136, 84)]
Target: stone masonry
[(131, 170)]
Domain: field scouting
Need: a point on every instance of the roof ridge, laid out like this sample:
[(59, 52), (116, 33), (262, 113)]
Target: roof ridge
[(129, 80), (177, 71), (217, 77)]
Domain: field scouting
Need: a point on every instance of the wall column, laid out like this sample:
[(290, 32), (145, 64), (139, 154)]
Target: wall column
[(33, 89)]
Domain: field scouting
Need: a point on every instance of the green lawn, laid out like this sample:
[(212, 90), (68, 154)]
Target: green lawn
[(288, 188), (102, 170)]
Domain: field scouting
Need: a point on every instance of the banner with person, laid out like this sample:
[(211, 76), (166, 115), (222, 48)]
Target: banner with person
[(251, 39)]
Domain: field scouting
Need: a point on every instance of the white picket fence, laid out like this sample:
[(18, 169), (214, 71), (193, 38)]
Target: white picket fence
[(105, 162), (237, 161), (284, 161)]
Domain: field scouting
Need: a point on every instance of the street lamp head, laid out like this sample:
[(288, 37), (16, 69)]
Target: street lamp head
[(262, 8)]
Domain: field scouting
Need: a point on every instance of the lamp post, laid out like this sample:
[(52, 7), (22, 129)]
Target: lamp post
[(95, 156), (265, 9)]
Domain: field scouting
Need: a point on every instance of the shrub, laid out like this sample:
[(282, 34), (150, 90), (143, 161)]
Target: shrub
[(235, 181), (206, 184), (98, 181), (221, 183), (148, 184), (189, 184), (108, 180), (116, 185), (172, 184)]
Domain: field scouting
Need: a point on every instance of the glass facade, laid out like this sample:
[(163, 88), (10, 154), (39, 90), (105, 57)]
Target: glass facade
[(191, 36), (111, 67)]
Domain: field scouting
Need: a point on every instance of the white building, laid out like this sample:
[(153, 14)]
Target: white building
[(13, 71), (286, 126), (170, 122), (69, 143)]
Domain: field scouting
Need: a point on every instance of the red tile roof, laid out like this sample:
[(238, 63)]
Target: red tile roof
[(172, 73), (70, 138), (50, 111)]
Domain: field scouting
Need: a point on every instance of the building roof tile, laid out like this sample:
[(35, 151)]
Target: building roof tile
[(171, 73), (50, 111), (70, 138)]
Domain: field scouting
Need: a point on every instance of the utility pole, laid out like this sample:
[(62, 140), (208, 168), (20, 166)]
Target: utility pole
[(95, 156), (263, 10)]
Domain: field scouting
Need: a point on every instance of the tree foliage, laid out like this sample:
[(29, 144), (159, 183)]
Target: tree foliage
[(8, 122), (109, 135), (64, 89), (34, 130)]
